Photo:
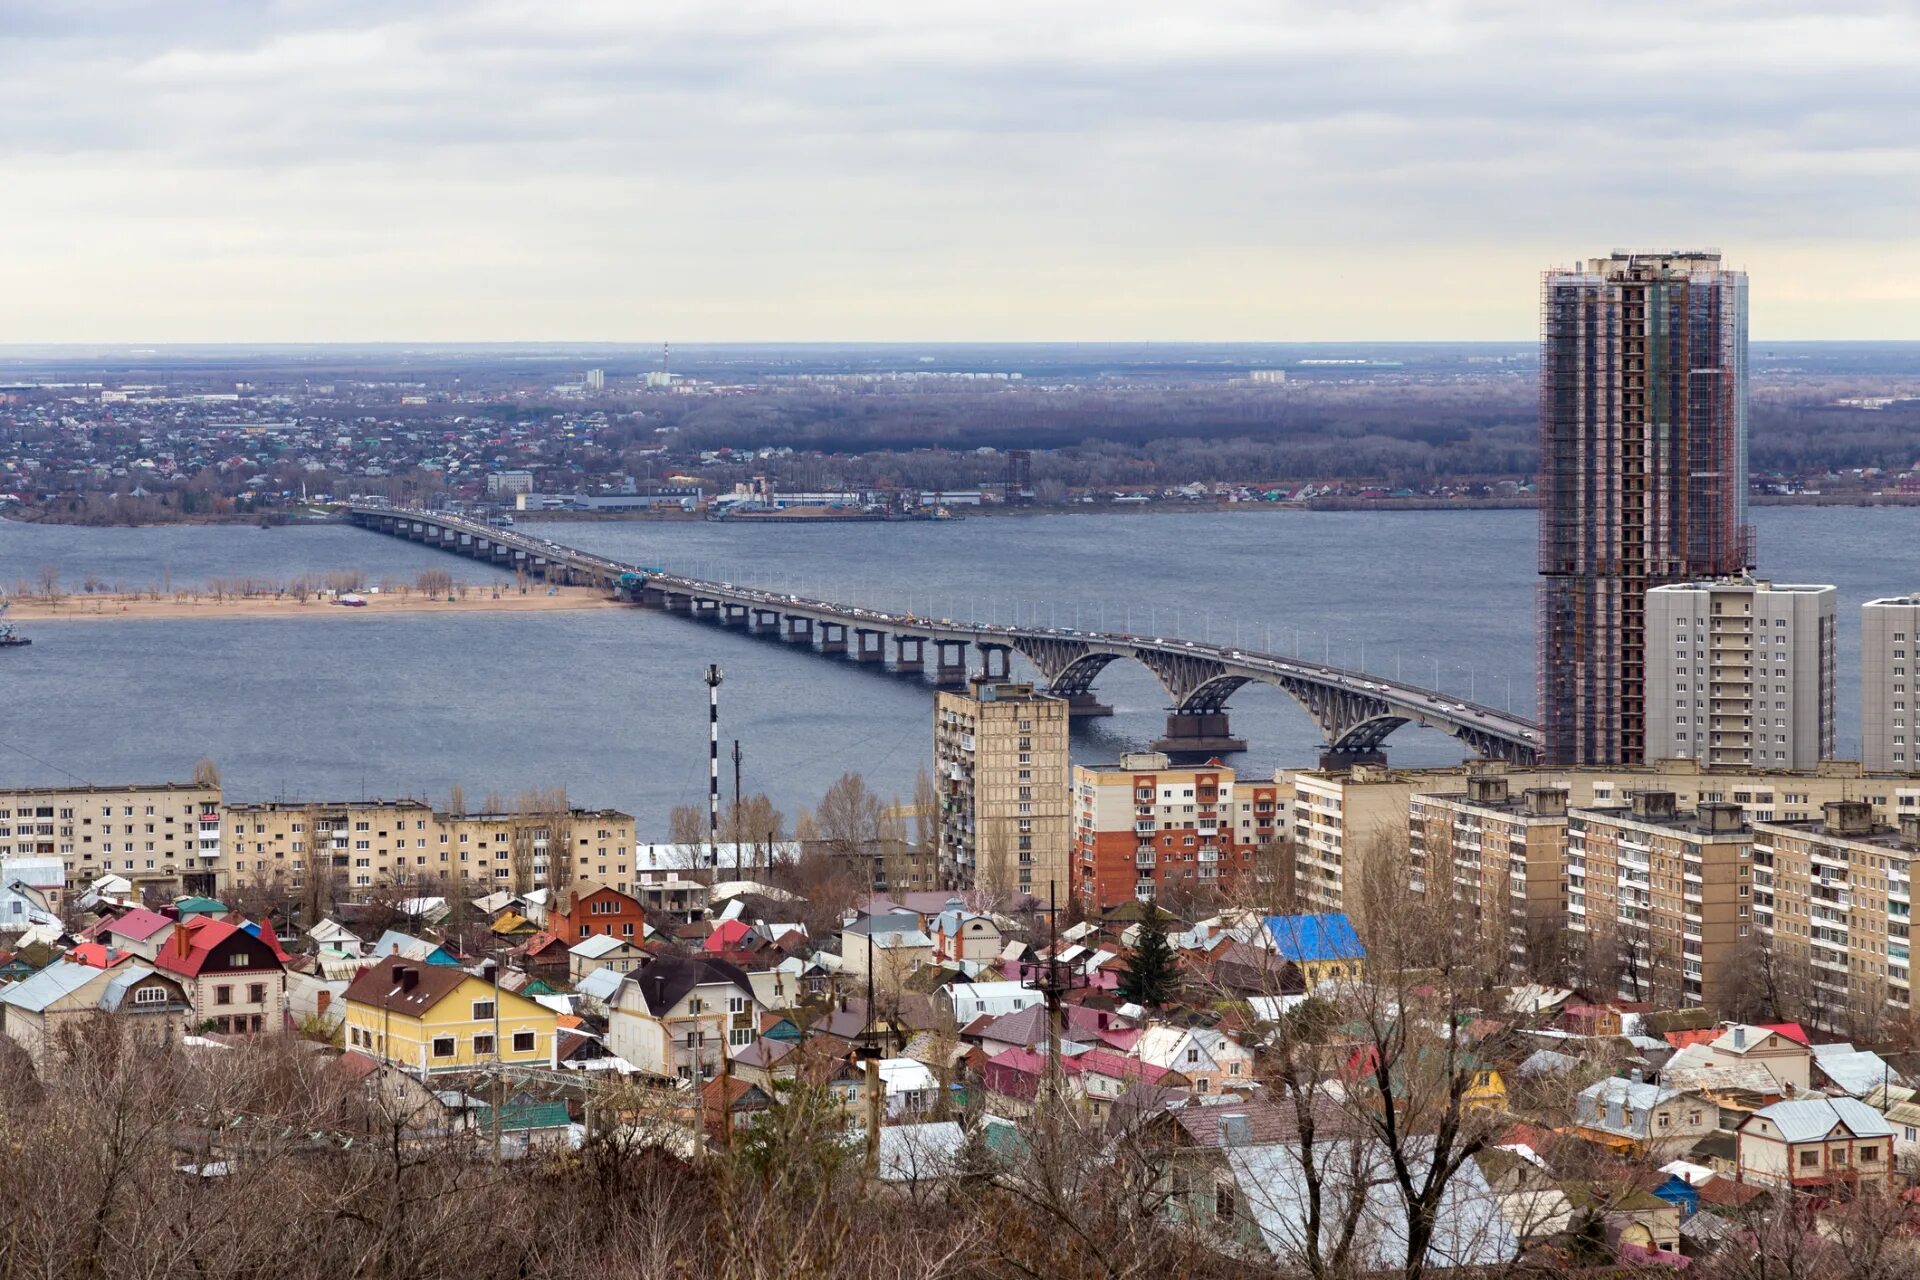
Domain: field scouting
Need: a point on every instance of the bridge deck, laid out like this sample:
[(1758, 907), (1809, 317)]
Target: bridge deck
[(1356, 710)]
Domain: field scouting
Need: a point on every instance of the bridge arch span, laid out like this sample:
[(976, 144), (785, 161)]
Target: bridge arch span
[(1355, 711)]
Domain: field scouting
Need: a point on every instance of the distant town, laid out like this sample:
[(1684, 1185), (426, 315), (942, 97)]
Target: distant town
[(162, 439)]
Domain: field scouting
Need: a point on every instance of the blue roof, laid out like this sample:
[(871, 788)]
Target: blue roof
[(1321, 937)]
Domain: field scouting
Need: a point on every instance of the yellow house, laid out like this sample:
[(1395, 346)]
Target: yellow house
[(1325, 948), (432, 1018), (1485, 1092)]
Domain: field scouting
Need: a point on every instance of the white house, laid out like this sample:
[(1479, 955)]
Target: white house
[(971, 1000), (1209, 1058), (893, 944), (677, 1016), (603, 951), (1787, 1061), (912, 1088)]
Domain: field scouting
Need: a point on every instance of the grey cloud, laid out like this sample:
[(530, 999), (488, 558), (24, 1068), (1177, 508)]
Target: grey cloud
[(1123, 128)]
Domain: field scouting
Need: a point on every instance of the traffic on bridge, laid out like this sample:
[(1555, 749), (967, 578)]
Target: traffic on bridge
[(1356, 710)]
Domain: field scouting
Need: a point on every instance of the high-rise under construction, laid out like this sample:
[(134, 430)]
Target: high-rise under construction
[(1643, 477)]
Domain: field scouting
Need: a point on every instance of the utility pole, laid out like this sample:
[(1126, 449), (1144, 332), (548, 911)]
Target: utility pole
[(493, 972), (1053, 980), (869, 1053), (713, 764)]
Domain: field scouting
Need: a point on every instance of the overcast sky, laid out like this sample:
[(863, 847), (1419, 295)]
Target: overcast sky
[(243, 170)]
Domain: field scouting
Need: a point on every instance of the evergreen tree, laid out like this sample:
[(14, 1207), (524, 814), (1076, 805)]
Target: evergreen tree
[(1152, 975)]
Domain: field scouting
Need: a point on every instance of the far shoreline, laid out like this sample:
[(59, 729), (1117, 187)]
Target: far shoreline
[(184, 607), (1310, 506)]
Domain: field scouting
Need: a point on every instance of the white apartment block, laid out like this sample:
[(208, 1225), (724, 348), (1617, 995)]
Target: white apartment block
[(1889, 656), (1741, 673), (365, 844), (1341, 818), (165, 836), (1834, 899)]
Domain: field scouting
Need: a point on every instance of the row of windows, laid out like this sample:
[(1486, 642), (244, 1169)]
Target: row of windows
[(447, 1046)]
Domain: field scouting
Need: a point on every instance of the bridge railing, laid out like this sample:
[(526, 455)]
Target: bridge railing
[(1490, 719)]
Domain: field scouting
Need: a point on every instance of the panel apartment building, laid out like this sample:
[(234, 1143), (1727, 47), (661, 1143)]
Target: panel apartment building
[(164, 836), (1889, 680), (372, 844), (1643, 477), (1144, 829), (1345, 819), (1661, 896), (1000, 768), (1501, 857), (1834, 899), (1741, 672)]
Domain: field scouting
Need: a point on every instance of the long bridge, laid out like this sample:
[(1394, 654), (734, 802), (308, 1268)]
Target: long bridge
[(1355, 710)]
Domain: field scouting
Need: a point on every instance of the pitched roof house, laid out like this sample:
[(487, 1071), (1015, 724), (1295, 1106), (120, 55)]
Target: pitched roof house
[(35, 1010), (431, 1018), (1816, 1144), (234, 980), (678, 1014)]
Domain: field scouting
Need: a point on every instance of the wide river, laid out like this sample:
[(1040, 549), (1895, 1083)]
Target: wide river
[(610, 704)]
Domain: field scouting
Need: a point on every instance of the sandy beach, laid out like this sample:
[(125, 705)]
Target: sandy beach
[(102, 608)]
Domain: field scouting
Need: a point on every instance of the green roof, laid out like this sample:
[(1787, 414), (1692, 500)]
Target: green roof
[(199, 906), (531, 1115)]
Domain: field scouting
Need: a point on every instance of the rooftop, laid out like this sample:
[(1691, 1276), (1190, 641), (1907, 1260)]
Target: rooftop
[(1810, 1119)]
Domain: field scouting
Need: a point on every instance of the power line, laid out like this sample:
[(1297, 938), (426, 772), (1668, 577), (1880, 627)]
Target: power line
[(66, 773)]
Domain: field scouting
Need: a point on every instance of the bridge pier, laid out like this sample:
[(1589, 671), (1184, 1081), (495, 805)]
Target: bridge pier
[(950, 664), (765, 622), (706, 609), (733, 615), (676, 602), (1084, 706), (917, 662), (799, 630), (833, 637), (1204, 733), (996, 660), (869, 646)]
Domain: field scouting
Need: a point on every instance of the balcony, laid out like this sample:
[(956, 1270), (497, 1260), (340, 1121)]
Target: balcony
[(1146, 859), (1143, 828)]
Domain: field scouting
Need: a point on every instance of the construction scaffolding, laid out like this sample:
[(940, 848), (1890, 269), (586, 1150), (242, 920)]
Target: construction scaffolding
[(1643, 444)]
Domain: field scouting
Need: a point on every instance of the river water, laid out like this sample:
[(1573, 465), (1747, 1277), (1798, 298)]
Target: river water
[(611, 704)]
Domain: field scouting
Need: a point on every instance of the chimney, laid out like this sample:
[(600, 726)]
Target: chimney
[(1616, 1113), (1739, 1037), (1637, 1078), (113, 955), (1848, 817), (490, 971), (1486, 789), (182, 941), (1236, 1130), (1654, 804), (1545, 802), (406, 977)]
